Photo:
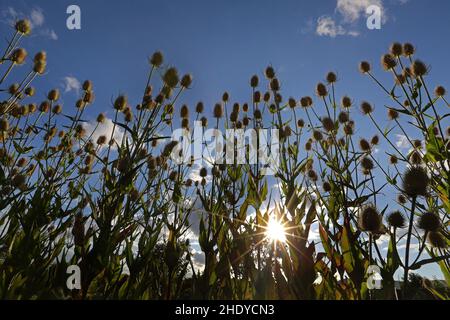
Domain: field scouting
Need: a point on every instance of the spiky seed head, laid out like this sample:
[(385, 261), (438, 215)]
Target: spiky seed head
[(22, 162), (429, 221), (348, 129), (185, 123), (401, 199), (419, 68), (287, 131), (369, 219), (306, 102), (415, 182), (439, 91), (57, 109), (266, 96), (346, 102), (233, 116), (39, 67), (44, 107), (364, 66), (101, 140), (218, 111), (121, 103), (13, 89), (292, 103), (317, 135), (328, 124), (186, 81), (375, 140), (367, 164), (308, 146), (23, 26), (18, 56), (40, 56), (388, 61), (364, 145), (366, 107), (326, 186), (245, 107), (101, 118), (157, 59), (396, 49), (246, 121), (396, 219), (400, 79), (184, 112), (89, 97), (331, 77), (4, 124), (258, 114), (171, 78), (225, 97), (321, 90), (408, 49), (87, 85), (254, 81), (437, 240), (257, 97), (393, 159), (447, 131), (19, 181), (300, 123), (312, 175), (392, 114), (29, 91), (203, 172), (53, 95), (200, 107), (274, 84), (269, 72)]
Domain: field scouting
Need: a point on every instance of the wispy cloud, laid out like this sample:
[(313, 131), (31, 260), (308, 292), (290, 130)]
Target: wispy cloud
[(71, 84), (352, 10), (326, 26), (103, 129), (36, 16), (402, 141)]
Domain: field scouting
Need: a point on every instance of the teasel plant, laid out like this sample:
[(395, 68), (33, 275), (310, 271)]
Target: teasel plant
[(122, 209)]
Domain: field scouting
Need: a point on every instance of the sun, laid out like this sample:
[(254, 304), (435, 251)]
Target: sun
[(275, 231)]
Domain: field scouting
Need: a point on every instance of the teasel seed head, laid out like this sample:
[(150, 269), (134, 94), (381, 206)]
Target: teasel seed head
[(87, 85), (29, 91), (203, 172), (306, 102), (401, 199), (4, 124), (396, 219), (364, 145), (233, 116), (39, 67), (392, 114), (184, 112), (439, 91), (275, 84), (367, 164), (171, 78), (218, 111), (396, 49), (343, 117), (300, 123), (199, 107), (53, 95), (204, 121), (269, 72), (317, 135), (312, 175), (429, 221), (88, 97), (369, 219), (375, 140), (101, 118), (18, 180), (23, 26), (388, 62), (308, 146), (393, 159), (348, 129), (266, 96), (121, 103), (225, 97), (366, 107), (57, 109), (44, 107), (186, 81), (254, 81), (245, 107), (346, 102), (157, 59), (321, 90), (400, 79), (328, 124), (185, 123), (22, 162), (437, 240), (292, 103), (331, 77), (245, 121), (415, 182), (419, 68), (326, 186), (101, 140), (364, 66), (19, 55), (408, 49)]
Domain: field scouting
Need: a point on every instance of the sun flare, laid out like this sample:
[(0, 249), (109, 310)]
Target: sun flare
[(275, 231)]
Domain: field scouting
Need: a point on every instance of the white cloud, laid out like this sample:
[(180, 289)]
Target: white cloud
[(71, 84), (104, 129), (49, 33), (352, 10), (37, 17), (326, 26), (402, 141)]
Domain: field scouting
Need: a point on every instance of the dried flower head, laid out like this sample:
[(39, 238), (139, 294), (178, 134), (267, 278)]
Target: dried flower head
[(186, 81), (415, 158), (408, 49), (328, 124), (321, 90), (375, 140), (292, 103), (312, 175), (23, 26), (367, 164), (218, 110), (346, 102), (300, 123), (87, 85), (369, 219), (157, 59), (396, 49), (364, 145), (184, 111), (171, 78), (437, 240), (396, 219), (331, 77), (18, 56), (306, 102), (199, 107), (415, 181), (364, 66), (419, 68), (53, 95), (254, 81), (269, 72), (317, 135), (393, 159), (388, 62), (439, 91), (366, 107), (429, 221), (121, 103), (392, 114)]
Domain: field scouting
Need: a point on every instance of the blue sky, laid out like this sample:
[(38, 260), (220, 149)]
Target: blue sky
[(223, 43)]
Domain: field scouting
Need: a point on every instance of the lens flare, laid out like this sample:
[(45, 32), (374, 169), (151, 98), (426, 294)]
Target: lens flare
[(275, 231)]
